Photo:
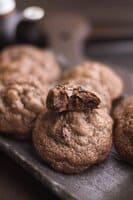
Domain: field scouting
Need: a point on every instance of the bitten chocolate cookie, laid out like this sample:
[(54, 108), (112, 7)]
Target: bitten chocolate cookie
[(21, 101), (71, 98), (99, 72), (77, 95), (71, 141), (123, 133), (26, 59)]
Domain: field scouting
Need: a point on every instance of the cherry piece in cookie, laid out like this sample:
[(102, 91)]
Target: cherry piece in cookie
[(70, 142), (123, 132), (21, 101), (71, 98)]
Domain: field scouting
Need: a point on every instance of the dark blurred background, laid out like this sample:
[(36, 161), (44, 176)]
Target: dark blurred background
[(112, 26), (104, 10)]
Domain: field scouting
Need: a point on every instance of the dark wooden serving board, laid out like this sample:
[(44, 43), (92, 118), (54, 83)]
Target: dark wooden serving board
[(112, 179)]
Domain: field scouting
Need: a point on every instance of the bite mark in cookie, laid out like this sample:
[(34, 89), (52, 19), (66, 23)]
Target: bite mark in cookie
[(71, 98)]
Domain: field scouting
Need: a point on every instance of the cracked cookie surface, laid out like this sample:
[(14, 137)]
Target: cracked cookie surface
[(73, 141), (26, 59), (21, 101)]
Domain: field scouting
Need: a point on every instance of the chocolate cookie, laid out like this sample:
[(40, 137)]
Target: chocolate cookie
[(26, 59), (70, 142), (123, 132), (74, 133), (99, 72), (21, 101)]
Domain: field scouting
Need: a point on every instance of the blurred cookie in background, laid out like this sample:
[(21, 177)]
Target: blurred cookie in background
[(26, 59)]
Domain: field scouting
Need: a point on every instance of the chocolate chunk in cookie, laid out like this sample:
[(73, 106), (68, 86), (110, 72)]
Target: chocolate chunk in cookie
[(93, 87), (123, 132), (71, 98)]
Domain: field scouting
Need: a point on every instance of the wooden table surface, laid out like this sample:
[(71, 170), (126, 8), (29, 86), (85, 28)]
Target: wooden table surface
[(15, 182)]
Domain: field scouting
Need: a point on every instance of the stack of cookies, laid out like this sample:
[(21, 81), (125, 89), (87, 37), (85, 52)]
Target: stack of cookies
[(76, 130), (26, 74)]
